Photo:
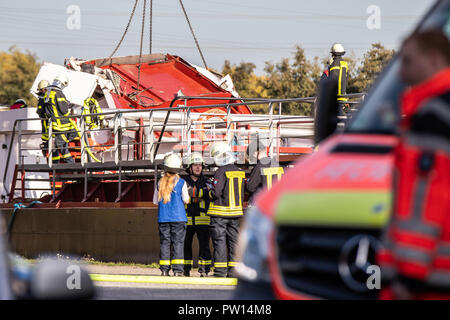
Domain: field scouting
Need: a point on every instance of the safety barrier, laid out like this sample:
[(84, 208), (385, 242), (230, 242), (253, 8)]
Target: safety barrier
[(185, 128)]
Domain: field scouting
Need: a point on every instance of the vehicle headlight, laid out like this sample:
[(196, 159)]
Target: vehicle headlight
[(253, 247)]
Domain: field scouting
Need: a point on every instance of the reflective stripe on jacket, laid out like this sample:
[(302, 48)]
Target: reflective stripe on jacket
[(228, 192), (338, 71), (417, 241), (56, 106)]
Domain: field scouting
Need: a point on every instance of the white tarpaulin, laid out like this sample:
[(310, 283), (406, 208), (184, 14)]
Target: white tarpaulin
[(81, 84)]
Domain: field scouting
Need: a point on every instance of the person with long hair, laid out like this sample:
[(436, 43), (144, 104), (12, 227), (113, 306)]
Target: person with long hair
[(171, 195)]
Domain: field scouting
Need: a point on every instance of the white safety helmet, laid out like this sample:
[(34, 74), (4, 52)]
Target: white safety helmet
[(42, 84), (222, 154), (61, 81), (194, 158), (20, 101), (337, 49), (172, 162)]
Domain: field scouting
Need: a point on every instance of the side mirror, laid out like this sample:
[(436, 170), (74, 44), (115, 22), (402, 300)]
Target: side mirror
[(326, 119), (60, 280)]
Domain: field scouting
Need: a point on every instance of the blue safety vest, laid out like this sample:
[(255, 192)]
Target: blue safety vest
[(173, 211)]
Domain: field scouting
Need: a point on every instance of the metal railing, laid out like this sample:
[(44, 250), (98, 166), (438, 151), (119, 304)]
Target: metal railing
[(187, 125)]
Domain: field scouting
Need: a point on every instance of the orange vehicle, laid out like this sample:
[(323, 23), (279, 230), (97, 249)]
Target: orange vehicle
[(316, 232)]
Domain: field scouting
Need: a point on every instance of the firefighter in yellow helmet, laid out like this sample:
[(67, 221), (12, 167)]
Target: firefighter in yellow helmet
[(338, 71), (226, 208), (41, 88), (198, 220)]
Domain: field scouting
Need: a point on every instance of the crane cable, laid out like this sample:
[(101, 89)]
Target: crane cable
[(150, 27), (193, 34), (126, 29), (140, 46)]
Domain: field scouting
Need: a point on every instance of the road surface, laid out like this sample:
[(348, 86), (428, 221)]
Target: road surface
[(134, 283)]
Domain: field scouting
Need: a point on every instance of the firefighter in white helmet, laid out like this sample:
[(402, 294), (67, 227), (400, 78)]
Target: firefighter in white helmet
[(338, 71), (171, 195), (225, 209), (56, 106), (198, 220)]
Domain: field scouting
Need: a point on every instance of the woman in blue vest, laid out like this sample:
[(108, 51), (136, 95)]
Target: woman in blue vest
[(171, 195)]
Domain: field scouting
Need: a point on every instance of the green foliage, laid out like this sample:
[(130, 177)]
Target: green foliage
[(298, 77), (17, 73), (373, 63)]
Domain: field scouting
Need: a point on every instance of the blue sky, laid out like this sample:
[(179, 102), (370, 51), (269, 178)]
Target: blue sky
[(250, 31)]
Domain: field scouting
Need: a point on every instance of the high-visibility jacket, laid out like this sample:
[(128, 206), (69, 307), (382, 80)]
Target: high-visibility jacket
[(417, 241), (42, 114), (262, 177), (56, 105), (338, 71), (227, 193), (91, 106), (198, 205)]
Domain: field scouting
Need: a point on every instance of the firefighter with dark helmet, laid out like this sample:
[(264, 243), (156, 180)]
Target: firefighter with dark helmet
[(264, 173), (41, 88), (338, 71), (198, 220), (225, 209)]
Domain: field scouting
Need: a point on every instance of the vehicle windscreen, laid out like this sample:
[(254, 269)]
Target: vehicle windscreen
[(380, 112)]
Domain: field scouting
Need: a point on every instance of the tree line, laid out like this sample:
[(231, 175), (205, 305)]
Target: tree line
[(291, 77), (298, 77)]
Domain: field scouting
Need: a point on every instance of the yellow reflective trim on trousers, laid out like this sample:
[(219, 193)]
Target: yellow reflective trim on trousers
[(164, 262), (162, 279), (67, 155), (177, 261), (204, 262), (232, 263), (220, 264), (188, 262), (56, 158)]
